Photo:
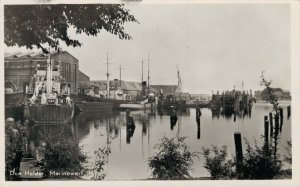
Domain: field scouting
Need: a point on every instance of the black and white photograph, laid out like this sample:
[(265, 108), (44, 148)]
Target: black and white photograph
[(148, 91)]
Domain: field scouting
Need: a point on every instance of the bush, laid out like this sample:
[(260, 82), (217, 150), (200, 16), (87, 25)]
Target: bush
[(15, 142), (217, 164), (260, 163), (100, 160), (173, 159), (288, 156), (61, 152)]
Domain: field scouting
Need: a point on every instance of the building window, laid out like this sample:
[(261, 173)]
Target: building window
[(75, 75), (63, 70), (68, 72)]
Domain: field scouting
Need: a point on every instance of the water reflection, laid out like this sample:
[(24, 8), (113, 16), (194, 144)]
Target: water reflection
[(132, 139), (228, 114), (173, 119), (39, 134), (130, 127)]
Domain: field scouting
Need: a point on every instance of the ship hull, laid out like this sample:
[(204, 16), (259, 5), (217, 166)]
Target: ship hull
[(94, 106), (133, 106), (50, 114), (14, 105)]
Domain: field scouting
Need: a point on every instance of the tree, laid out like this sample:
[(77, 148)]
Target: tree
[(173, 159), (271, 97), (36, 25)]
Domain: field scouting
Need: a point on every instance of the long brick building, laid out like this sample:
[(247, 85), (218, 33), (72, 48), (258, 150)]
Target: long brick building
[(20, 67)]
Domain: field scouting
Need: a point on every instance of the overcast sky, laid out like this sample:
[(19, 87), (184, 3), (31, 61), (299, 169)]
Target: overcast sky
[(215, 46)]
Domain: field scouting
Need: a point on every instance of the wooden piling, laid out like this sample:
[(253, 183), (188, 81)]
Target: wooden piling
[(266, 118), (281, 118), (271, 123), (276, 124), (281, 113), (266, 132), (234, 116), (238, 151), (288, 112)]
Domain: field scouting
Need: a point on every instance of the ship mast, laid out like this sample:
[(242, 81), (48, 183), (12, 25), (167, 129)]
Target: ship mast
[(107, 75), (120, 75), (179, 84), (148, 71), (142, 70), (49, 75)]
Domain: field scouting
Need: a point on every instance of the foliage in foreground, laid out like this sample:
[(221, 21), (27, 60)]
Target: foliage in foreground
[(35, 25), (173, 159), (15, 142), (216, 162), (258, 163), (101, 158), (288, 157), (61, 152)]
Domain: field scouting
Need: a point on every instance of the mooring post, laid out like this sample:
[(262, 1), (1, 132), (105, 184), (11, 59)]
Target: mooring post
[(198, 133), (198, 115), (238, 151), (271, 123), (234, 116), (281, 112), (281, 118), (288, 111), (266, 131), (276, 124)]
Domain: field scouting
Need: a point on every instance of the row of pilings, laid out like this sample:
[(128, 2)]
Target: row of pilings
[(273, 123)]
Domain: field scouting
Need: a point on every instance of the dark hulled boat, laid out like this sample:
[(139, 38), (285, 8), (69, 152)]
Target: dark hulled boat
[(50, 114), (49, 103), (14, 101)]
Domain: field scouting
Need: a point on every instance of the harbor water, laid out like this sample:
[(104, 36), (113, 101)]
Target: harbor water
[(130, 151)]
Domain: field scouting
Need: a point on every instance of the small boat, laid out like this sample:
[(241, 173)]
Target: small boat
[(49, 103), (136, 105)]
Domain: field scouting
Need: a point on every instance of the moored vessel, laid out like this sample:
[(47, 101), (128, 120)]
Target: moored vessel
[(137, 105), (49, 102)]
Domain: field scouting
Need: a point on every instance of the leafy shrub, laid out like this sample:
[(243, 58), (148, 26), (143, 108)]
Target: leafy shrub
[(217, 164), (15, 142), (100, 160), (173, 159), (288, 156), (260, 163), (61, 152)]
